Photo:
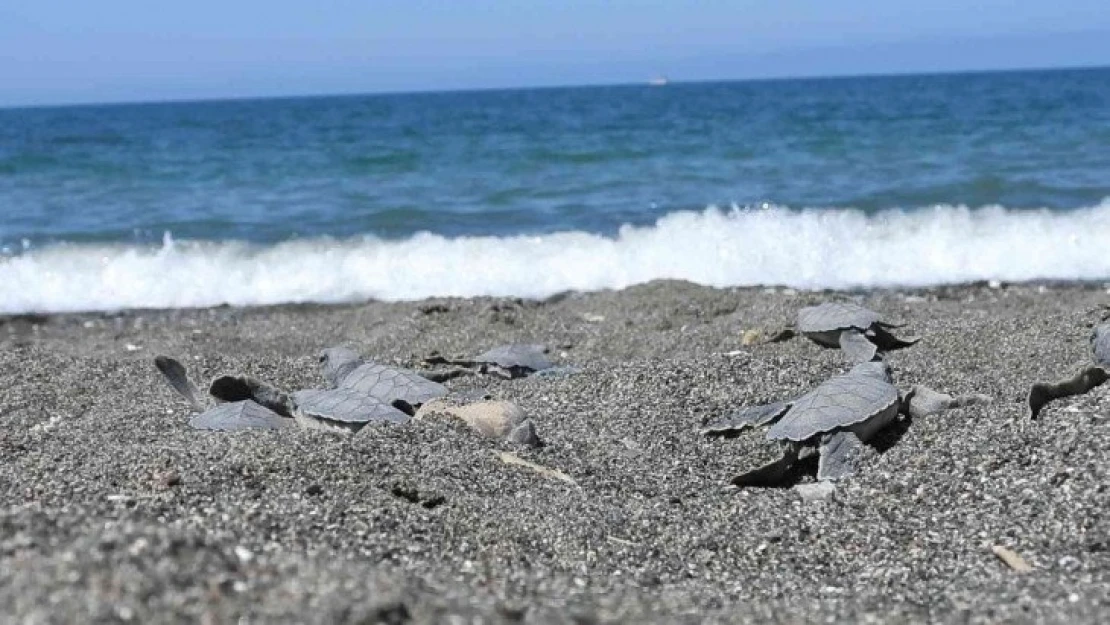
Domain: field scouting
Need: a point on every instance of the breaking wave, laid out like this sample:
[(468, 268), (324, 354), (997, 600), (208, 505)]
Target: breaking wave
[(806, 249)]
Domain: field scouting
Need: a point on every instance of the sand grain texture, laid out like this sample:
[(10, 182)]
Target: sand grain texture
[(112, 508)]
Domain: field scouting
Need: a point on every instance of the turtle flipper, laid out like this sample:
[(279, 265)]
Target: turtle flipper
[(231, 388), (782, 335), (1083, 381), (839, 453), (887, 341), (889, 326), (773, 474), (447, 374), (175, 374), (753, 416), (856, 346), (922, 401), (239, 415)]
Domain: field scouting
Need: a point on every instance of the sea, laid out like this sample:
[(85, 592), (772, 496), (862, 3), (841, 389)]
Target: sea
[(845, 183)]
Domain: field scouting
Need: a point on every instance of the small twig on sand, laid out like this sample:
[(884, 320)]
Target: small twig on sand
[(513, 459), (1012, 559), (621, 541)]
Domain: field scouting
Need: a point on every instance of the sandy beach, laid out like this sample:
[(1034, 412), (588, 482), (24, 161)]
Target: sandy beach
[(112, 509)]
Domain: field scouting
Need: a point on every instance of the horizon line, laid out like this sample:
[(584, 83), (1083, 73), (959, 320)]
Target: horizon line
[(557, 86)]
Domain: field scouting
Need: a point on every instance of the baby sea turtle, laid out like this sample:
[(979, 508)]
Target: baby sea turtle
[(345, 369), (508, 361), (1087, 378), (833, 421), (253, 404), (245, 414), (859, 332)]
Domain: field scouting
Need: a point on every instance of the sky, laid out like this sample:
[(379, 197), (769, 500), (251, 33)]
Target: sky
[(71, 51)]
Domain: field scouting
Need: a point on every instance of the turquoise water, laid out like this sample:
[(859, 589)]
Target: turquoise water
[(566, 181)]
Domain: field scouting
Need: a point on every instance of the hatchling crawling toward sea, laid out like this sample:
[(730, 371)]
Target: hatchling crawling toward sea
[(247, 403), (833, 421), (360, 393), (859, 332), (516, 360)]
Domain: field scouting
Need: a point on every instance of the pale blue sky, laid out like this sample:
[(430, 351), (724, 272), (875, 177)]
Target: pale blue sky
[(60, 51)]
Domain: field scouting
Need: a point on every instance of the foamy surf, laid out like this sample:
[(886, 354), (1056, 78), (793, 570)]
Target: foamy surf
[(807, 249)]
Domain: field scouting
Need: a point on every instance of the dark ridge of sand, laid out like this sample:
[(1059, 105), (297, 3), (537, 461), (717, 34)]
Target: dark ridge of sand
[(112, 509)]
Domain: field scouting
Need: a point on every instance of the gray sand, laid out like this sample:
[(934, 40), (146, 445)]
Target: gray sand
[(112, 508)]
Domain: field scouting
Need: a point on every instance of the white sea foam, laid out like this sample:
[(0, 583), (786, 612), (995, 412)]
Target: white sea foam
[(803, 249)]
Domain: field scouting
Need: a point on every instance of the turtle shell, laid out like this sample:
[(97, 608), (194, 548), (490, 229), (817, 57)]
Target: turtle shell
[(832, 316), (239, 415), (517, 356), (840, 402), (389, 384), (345, 406)]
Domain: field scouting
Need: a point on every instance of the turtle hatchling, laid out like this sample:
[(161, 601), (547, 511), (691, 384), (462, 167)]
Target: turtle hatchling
[(833, 421), (508, 361), (857, 331), (345, 369), (241, 402), (1087, 378), (245, 414)]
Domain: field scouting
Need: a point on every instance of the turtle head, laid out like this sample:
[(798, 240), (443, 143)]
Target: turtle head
[(878, 369), (337, 362)]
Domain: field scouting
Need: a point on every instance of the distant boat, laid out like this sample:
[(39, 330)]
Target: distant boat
[(658, 81)]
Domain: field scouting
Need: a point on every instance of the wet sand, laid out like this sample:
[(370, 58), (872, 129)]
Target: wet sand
[(113, 509)]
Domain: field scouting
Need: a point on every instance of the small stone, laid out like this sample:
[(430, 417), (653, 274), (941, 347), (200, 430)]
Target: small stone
[(818, 491), (773, 536), (138, 547), (1069, 563), (244, 554), (168, 479), (495, 419), (525, 434), (1012, 559)]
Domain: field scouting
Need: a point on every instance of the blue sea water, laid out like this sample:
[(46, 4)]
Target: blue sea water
[(852, 182)]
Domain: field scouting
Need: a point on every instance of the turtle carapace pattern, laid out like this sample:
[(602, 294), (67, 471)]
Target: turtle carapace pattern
[(343, 408), (344, 368)]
